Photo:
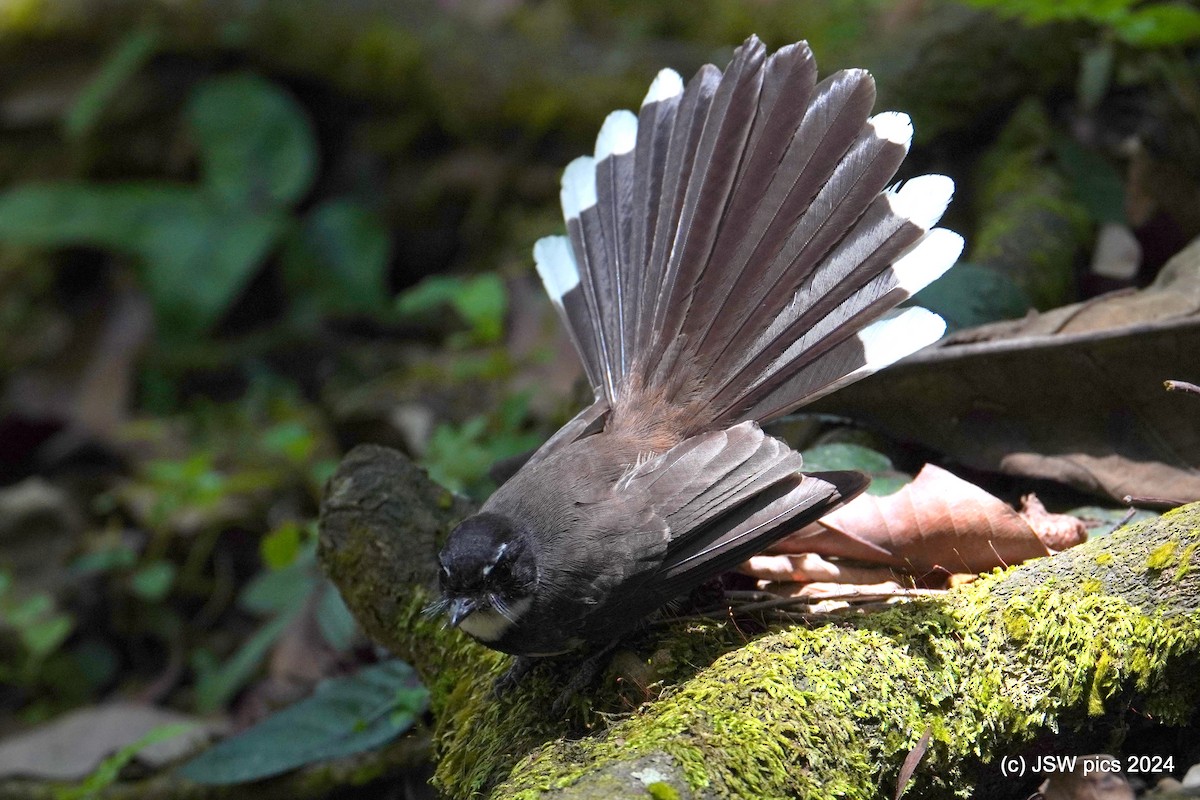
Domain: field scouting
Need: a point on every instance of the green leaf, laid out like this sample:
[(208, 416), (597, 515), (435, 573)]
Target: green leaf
[(43, 637), (1095, 75), (339, 259), (196, 256), (428, 296), (153, 581), (481, 302), (61, 214), (216, 685), (293, 440), (131, 54), (276, 590), (1159, 25), (257, 146), (337, 624), (971, 294), (197, 261), (885, 479), (1095, 182), (280, 547), (344, 716), (116, 556)]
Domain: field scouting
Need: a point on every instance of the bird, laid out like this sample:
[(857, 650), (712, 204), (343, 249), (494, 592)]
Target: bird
[(734, 249)]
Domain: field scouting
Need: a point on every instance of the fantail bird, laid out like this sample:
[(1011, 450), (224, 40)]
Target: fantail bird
[(732, 253)]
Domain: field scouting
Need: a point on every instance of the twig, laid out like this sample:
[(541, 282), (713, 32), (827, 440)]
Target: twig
[(1141, 500), (1181, 386), (753, 602)]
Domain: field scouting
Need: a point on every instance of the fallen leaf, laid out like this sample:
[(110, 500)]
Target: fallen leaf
[(939, 523), (812, 568), (1073, 395), (72, 746)]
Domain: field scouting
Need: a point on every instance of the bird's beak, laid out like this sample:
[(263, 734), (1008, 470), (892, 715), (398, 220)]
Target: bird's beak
[(460, 609)]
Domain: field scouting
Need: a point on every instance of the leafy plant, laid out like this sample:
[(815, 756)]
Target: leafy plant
[(279, 593), (885, 478), (197, 246), (459, 456), (344, 716), (1155, 24), (36, 629), (481, 302)]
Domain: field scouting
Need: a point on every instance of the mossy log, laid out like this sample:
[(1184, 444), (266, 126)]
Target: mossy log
[(1073, 642)]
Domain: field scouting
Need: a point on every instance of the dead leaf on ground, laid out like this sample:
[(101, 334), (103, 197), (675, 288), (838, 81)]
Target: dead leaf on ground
[(935, 526), (1073, 395), (72, 746)]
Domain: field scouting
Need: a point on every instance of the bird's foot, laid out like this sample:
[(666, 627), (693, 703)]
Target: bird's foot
[(516, 671), (584, 677)]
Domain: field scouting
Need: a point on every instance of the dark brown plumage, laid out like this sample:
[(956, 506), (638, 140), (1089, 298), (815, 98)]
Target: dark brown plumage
[(731, 254)]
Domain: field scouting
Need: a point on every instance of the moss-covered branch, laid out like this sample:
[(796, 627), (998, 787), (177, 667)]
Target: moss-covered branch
[(705, 709)]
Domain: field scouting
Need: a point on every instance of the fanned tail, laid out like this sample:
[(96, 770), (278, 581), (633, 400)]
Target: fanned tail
[(734, 248)]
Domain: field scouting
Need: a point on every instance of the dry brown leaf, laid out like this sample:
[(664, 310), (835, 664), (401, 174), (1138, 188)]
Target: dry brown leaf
[(939, 523), (1073, 395), (73, 745), (812, 568)]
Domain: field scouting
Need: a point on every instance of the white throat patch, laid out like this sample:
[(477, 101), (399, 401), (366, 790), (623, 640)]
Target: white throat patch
[(487, 624)]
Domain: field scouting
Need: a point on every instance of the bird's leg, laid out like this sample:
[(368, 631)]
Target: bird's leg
[(585, 676), (512, 676)]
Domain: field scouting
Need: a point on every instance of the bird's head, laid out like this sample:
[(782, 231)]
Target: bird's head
[(487, 575)]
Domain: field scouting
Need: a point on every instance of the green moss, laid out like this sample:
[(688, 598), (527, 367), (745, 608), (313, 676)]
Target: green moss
[(1185, 562), (787, 713), (1162, 556), (1016, 623), (1032, 227), (1101, 684), (662, 791)]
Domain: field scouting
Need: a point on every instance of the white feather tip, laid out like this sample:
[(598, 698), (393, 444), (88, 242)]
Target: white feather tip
[(618, 134), (556, 266), (665, 86), (578, 186), (895, 126), (923, 200), (927, 260), (899, 334)]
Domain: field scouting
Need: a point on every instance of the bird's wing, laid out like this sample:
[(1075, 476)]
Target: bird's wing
[(737, 231), (726, 495)]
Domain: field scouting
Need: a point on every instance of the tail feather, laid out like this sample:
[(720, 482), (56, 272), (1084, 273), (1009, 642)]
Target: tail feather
[(687, 126), (717, 160), (614, 193), (732, 244), (763, 270), (655, 124)]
